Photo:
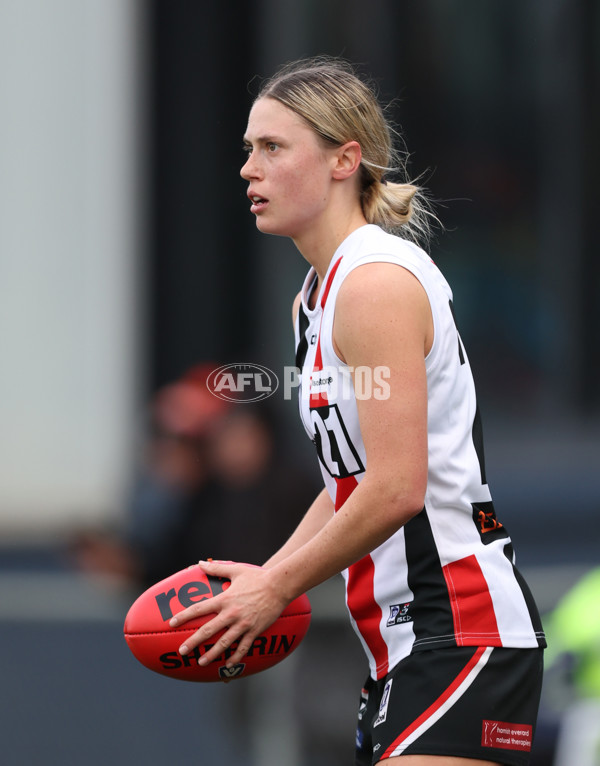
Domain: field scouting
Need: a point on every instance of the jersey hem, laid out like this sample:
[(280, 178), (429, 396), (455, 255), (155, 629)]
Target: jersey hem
[(450, 642)]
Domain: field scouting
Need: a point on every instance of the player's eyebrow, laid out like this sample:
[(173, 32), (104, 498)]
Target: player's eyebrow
[(262, 140)]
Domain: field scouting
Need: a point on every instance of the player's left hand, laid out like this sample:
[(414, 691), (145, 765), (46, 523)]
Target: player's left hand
[(247, 607)]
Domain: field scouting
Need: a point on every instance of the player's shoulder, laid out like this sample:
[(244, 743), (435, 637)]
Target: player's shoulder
[(373, 283), (381, 282), (373, 261), (380, 263)]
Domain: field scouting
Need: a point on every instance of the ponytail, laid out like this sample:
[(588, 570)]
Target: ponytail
[(399, 208)]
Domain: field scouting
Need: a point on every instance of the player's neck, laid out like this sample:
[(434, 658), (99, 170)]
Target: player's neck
[(318, 246)]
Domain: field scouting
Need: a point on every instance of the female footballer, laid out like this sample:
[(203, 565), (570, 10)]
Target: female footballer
[(450, 630)]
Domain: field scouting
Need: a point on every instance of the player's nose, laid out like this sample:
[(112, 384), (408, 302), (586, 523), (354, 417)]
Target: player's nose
[(250, 169)]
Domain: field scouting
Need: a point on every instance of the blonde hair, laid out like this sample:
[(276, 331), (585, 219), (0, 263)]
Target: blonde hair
[(340, 107)]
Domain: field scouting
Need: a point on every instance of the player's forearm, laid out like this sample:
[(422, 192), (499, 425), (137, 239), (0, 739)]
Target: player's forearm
[(317, 516), (368, 518)]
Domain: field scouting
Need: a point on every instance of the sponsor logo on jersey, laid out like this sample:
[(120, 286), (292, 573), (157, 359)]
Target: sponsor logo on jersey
[(242, 382), (487, 524), (507, 736), (385, 701), (398, 614), (321, 381)]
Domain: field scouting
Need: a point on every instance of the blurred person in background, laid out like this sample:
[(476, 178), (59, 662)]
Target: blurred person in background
[(261, 494), (214, 483), (571, 701), (449, 627), (573, 630), (174, 485)]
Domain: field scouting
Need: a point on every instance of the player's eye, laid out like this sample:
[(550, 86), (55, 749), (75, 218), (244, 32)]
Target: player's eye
[(272, 147), (247, 149)]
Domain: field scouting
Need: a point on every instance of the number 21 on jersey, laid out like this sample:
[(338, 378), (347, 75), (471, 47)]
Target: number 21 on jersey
[(336, 451)]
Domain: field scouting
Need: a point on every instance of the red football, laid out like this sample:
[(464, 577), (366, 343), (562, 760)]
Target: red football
[(155, 644)]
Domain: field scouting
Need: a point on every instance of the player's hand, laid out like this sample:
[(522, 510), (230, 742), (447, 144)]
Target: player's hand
[(247, 607)]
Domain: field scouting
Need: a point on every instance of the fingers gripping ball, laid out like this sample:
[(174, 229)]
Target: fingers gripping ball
[(155, 644)]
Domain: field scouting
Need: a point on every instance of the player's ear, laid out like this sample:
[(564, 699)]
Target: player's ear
[(348, 159)]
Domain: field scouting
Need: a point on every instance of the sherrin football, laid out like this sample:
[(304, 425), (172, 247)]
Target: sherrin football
[(155, 644)]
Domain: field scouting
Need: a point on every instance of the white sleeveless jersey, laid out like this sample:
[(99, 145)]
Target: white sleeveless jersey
[(447, 577)]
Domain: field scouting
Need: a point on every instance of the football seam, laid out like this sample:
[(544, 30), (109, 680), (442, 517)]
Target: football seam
[(185, 630)]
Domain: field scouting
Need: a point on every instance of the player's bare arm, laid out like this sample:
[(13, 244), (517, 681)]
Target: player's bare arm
[(382, 318)]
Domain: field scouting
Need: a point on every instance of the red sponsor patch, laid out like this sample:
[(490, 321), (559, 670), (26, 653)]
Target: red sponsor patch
[(508, 736)]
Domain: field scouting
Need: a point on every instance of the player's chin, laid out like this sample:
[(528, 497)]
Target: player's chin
[(264, 225), (268, 225)]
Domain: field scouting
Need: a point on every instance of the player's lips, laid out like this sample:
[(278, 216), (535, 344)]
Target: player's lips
[(258, 203)]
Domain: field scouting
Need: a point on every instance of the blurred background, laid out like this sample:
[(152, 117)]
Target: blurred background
[(130, 267)]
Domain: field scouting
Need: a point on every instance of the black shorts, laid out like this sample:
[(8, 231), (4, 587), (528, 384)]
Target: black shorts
[(470, 702)]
